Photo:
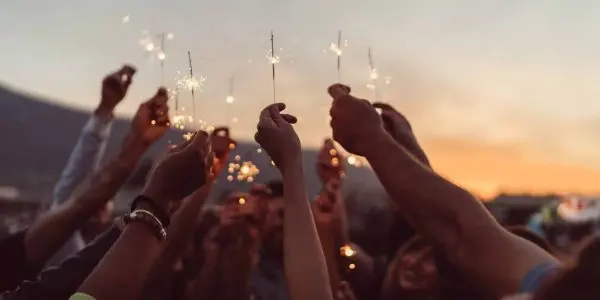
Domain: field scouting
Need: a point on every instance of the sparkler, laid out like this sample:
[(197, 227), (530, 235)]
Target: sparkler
[(273, 62), (161, 56), (373, 75), (337, 49), (230, 97), (192, 88)]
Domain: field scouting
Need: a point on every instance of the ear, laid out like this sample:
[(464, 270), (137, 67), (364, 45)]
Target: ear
[(417, 269)]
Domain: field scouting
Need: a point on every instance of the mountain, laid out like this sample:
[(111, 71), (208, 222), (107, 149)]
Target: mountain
[(36, 138)]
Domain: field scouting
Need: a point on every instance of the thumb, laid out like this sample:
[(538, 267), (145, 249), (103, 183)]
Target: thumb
[(338, 90)]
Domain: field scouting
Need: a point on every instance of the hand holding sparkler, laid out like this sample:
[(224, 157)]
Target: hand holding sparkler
[(152, 118), (114, 89), (399, 128), (277, 136), (355, 122), (183, 170)]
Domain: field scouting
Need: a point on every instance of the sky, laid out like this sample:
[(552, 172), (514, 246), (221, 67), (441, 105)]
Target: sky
[(501, 93)]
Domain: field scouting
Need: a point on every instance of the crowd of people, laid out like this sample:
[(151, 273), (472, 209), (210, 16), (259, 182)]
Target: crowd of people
[(272, 242)]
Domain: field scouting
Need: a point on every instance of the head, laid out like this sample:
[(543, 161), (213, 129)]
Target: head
[(579, 280), (272, 230)]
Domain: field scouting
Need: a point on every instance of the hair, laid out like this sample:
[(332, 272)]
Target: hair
[(276, 187), (579, 280)]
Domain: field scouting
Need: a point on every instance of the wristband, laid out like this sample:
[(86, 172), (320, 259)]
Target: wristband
[(157, 210), (146, 217)]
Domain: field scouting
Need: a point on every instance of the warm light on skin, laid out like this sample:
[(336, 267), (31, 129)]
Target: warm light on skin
[(347, 251)]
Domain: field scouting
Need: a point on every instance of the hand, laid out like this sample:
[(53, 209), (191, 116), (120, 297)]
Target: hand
[(222, 144), (277, 136), (151, 121), (114, 88), (355, 123), (183, 170), (344, 292), (399, 128), (329, 162)]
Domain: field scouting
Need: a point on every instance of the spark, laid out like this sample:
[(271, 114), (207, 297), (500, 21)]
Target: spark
[(170, 36), (161, 55), (347, 251), (229, 99), (242, 201), (125, 19), (351, 266), (351, 159)]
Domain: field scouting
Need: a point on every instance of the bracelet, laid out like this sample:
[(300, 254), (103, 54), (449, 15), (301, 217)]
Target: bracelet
[(158, 211), (146, 217)]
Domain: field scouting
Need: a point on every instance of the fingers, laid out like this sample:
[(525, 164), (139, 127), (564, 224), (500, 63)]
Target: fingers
[(126, 74), (275, 112), (161, 96), (384, 106), (200, 142), (289, 118), (221, 131), (338, 90)]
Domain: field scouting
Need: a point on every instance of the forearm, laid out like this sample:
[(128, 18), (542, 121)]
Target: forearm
[(50, 231), (438, 209), (331, 251), (86, 156), (180, 233), (136, 248), (305, 266)]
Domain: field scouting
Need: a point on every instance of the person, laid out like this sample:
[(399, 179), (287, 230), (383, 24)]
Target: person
[(439, 210), (28, 251), (302, 253), (88, 152), (189, 163)]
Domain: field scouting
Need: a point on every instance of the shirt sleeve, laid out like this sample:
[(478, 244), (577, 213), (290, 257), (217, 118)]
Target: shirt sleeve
[(14, 267), (84, 159), (63, 281), (535, 277), (81, 296)]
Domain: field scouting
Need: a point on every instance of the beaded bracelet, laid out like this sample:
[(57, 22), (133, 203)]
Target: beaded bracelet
[(148, 218)]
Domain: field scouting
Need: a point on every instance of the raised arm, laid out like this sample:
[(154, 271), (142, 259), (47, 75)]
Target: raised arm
[(87, 154), (124, 269), (50, 231), (304, 263), (438, 209)]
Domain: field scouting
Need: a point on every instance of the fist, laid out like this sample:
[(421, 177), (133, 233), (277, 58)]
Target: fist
[(183, 170), (329, 162), (277, 137), (151, 121), (355, 122), (399, 128), (114, 88)]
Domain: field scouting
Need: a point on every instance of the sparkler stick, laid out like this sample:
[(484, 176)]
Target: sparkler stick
[(230, 97), (273, 63), (339, 56), (372, 75), (162, 59), (191, 78)]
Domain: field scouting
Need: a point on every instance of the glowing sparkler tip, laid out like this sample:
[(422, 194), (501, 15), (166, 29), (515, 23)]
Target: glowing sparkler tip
[(242, 201), (161, 55), (352, 266), (351, 159), (229, 99), (150, 47), (347, 251)]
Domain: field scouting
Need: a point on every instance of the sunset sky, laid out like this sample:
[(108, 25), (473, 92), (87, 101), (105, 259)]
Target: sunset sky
[(503, 94)]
